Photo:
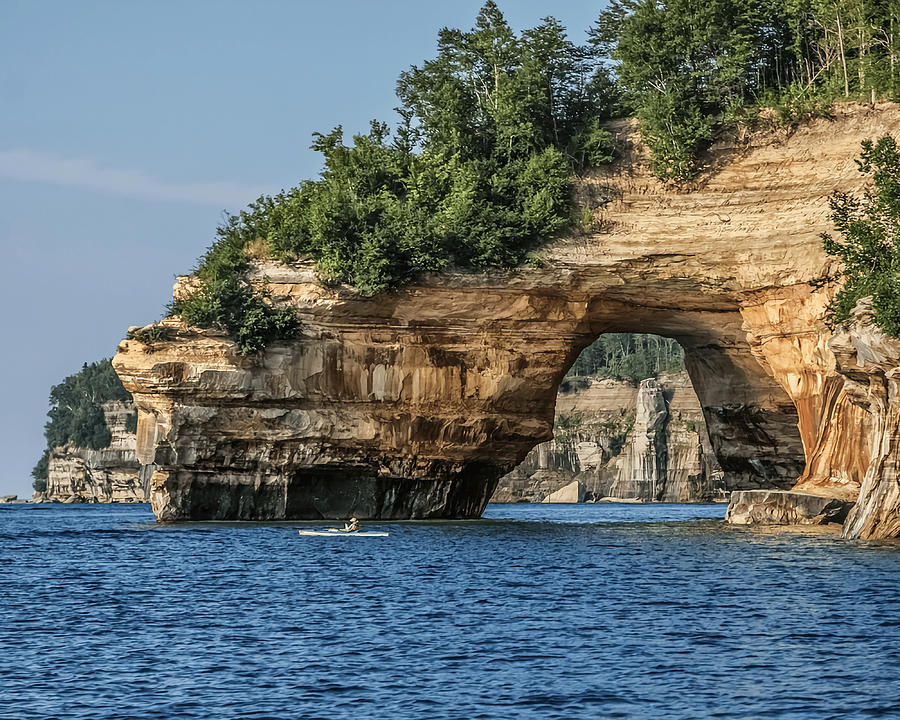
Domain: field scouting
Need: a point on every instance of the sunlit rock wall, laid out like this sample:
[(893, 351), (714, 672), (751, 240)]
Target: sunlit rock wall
[(414, 403), (869, 362)]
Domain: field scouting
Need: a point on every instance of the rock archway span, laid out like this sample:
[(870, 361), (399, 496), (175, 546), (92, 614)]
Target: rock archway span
[(412, 404)]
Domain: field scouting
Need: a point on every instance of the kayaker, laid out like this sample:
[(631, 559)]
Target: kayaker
[(352, 526)]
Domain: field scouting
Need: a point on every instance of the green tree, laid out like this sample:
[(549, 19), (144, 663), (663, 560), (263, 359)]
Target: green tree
[(869, 242), (76, 412), (629, 356), (680, 65), (688, 69), (41, 471), (475, 176), (225, 299)]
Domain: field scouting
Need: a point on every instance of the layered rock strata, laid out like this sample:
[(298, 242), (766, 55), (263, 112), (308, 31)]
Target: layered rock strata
[(414, 403), (110, 474), (777, 507), (869, 363), (616, 440)]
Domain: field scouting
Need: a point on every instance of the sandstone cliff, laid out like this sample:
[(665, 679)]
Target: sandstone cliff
[(869, 363), (110, 474), (616, 440), (413, 403)]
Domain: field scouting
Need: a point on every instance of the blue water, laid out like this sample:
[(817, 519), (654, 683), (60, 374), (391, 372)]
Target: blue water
[(591, 611)]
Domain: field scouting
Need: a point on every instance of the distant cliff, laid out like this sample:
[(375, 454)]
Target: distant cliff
[(110, 474), (616, 440)]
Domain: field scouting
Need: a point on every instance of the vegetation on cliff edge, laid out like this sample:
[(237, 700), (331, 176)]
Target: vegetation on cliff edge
[(869, 242), (477, 172), (687, 69), (475, 176), (76, 413)]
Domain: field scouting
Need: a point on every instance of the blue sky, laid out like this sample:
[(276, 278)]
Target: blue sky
[(126, 128)]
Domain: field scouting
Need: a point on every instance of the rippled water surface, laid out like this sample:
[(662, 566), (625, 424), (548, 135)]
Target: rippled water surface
[(592, 611)]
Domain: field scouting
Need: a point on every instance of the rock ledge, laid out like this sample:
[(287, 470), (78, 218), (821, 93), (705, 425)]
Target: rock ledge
[(784, 507)]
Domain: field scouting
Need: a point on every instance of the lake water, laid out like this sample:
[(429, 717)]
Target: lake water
[(535, 612)]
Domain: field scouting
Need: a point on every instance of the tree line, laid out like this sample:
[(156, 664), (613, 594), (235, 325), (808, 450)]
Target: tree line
[(686, 69), (475, 175), (628, 356)]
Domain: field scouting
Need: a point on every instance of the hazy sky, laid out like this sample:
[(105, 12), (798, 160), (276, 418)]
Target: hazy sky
[(127, 127)]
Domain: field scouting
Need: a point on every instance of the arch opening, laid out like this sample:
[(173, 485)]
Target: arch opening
[(698, 413), (628, 426), (399, 410)]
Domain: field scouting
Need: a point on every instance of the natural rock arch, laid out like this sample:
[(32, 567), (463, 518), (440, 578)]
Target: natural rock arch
[(412, 403)]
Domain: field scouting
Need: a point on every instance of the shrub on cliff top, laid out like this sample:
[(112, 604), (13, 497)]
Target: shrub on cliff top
[(869, 243), (475, 176), (225, 299), (686, 69), (76, 412)]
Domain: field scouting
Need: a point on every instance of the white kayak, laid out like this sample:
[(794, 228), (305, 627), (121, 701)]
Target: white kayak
[(334, 531)]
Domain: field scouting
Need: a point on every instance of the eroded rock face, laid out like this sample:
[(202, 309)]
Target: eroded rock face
[(692, 470), (573, 492), (616, 440), (110, 474), (869, 362), (643, 465), (413, 403), (777, 507)]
